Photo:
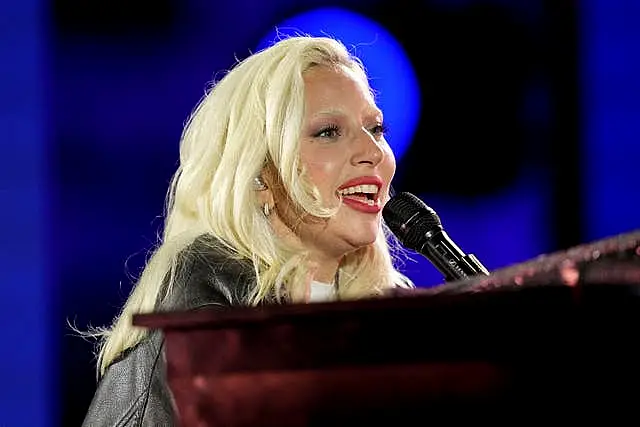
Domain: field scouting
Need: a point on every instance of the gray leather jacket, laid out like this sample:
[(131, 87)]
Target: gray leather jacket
[(133, 391)]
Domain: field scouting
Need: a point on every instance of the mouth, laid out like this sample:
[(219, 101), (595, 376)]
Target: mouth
[(362, 193), (368, 194)]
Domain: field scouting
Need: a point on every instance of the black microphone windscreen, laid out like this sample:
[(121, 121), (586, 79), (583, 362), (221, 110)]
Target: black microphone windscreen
[(409, 218)]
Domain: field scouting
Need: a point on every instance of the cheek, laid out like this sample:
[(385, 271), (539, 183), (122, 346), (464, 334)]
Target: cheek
[(323, 175), (323, 172)]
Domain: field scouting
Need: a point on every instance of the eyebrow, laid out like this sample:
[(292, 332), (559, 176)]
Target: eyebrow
[(333, 112), (329, 112)]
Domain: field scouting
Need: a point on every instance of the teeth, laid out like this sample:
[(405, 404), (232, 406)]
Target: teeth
[(365, 189)]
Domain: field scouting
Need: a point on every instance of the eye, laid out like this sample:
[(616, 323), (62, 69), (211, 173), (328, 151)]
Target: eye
[(331, 131), (379, 130)]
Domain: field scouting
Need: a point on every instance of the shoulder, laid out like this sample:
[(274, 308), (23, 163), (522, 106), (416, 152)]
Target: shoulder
[(207, 273)]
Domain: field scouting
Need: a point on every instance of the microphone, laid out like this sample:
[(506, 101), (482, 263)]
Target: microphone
[(419, 228)]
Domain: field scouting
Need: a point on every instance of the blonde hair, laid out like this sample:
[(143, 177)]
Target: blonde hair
[(247, 121)]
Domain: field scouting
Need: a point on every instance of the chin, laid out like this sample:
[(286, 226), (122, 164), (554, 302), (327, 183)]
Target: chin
[(363, 240)]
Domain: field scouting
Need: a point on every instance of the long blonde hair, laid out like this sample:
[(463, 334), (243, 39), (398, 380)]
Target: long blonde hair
[(250, 119)]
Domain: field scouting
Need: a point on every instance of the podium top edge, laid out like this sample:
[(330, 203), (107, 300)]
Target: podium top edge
[(421, 303)]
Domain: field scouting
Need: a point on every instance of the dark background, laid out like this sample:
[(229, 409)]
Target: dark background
[(524, 141)]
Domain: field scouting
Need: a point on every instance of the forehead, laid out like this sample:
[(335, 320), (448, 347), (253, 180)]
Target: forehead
[(328, 85)]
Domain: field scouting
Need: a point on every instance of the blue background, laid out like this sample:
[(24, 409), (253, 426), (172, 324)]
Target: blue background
[(516, 121)]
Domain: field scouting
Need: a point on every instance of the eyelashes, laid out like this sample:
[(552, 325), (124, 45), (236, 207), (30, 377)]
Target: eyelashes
[(334, 131), (331, 131), (379, 129)]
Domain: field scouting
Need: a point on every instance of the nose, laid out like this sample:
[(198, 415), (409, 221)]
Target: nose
[(368, 149)]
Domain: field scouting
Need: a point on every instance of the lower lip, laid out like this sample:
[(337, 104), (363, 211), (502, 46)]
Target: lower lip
[(362, 207)]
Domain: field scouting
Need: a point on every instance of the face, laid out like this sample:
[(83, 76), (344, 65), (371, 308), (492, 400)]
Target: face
[(344, 153)]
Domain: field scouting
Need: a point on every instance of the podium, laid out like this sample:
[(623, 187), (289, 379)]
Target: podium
[(552, 338)]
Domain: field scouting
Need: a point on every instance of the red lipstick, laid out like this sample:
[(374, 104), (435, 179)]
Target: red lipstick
[(362, 202)]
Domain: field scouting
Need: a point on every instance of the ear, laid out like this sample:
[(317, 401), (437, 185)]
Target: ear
[(263, 191), (273, 194)]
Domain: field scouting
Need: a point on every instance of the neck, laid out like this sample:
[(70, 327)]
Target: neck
[(324, 266), (326, 270)]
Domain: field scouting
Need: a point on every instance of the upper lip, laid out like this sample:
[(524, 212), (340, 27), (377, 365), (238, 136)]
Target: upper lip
[(364, 180)]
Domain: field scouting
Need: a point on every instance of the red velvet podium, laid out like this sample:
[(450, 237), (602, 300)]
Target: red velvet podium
[(555, 336)]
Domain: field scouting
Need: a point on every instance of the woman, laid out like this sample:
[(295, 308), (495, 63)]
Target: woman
[(284, 170)]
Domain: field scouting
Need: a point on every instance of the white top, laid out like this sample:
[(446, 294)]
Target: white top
[(321, 292)]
